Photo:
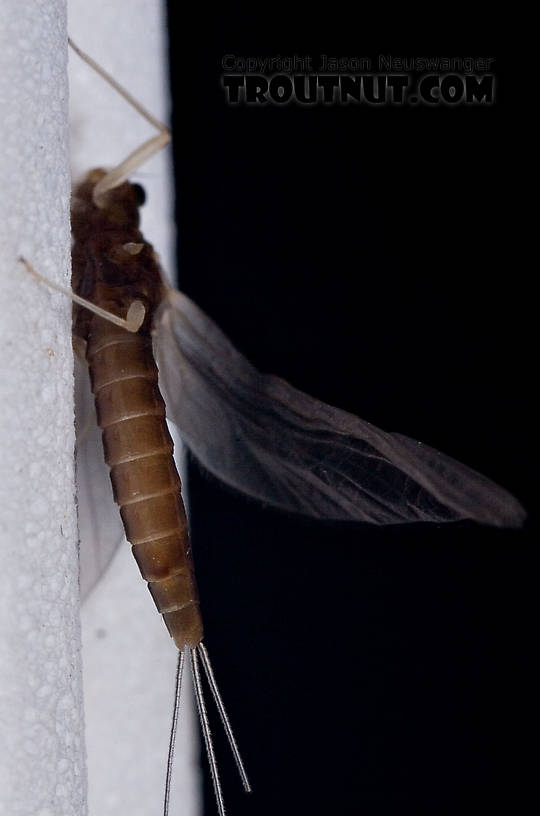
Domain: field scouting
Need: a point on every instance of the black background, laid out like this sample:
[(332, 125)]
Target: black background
[(370, 257)]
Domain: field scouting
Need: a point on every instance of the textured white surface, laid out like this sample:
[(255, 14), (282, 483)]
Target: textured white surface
[(129, 660), (41, 744)]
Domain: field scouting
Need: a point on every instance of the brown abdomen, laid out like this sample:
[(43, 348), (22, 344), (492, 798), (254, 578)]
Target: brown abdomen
[(146, 484)]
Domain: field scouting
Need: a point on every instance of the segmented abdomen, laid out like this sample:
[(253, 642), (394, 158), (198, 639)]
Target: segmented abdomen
[(146, 484)]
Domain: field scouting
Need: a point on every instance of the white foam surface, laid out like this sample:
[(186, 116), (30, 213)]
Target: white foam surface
[(42, 765)]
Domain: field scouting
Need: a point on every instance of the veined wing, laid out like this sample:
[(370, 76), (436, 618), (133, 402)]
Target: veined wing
[(261, 436), (100, 525)]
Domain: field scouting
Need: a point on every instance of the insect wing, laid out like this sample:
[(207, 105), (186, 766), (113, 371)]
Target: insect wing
[(261, 436), (100, 525)]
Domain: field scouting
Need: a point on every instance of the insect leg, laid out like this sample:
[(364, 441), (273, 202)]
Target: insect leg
[(201, 648), (174, 728), (120, 173), (135, 315), (203, 717)]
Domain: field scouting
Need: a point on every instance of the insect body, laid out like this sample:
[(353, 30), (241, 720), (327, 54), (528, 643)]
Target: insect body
[(113, 267)]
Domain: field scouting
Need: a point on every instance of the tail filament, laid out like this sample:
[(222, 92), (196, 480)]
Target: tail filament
[(194, 654)]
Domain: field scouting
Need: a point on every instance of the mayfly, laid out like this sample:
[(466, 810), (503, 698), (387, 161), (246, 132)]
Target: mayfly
[(254, 432)]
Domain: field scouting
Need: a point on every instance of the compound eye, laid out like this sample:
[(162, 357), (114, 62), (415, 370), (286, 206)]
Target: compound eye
[(140, 195)]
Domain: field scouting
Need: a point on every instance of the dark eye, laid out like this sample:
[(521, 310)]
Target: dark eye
[(140, 195)]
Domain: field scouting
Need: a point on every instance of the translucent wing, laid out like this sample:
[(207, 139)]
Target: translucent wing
[(100, 525), (261, 436)]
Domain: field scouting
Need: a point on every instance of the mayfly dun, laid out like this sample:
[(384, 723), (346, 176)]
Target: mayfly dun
[(254, 432)]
